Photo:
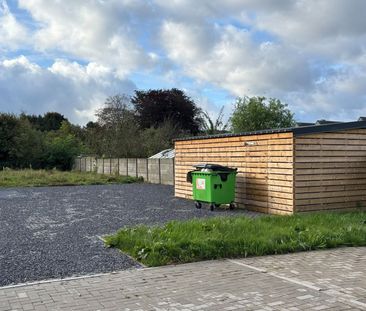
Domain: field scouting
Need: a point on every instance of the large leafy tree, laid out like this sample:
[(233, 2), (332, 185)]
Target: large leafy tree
[(116, 132), (154, 107), (258, 113)]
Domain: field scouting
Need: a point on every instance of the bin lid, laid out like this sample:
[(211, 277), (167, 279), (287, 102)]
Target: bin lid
[(214, 167)]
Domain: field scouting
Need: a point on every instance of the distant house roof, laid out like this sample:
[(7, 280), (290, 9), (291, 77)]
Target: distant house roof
[(165, 154), (322, 126), (321, 122), (303, 124)]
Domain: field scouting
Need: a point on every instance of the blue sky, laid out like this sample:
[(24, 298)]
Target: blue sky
[(68, 56)]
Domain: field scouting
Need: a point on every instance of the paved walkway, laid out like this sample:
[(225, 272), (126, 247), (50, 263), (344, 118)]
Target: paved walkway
[(321, 280)]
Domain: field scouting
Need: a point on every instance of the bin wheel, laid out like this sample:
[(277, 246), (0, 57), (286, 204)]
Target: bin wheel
[(231, 206), (198, 205), (212, 207)]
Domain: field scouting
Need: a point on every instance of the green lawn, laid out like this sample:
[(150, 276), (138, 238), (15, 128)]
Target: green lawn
[(229, 237), (36, 178)]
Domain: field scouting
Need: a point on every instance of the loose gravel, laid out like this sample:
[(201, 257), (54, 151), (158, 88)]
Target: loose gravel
[(54, 232)]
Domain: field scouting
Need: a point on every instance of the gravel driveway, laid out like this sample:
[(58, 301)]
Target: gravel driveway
[(53, 232)]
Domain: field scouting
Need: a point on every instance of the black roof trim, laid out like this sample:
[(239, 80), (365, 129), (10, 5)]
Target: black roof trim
[(298, 131), (329, 127)]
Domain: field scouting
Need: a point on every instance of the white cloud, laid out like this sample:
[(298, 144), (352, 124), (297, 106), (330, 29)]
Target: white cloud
[(310, 54), (233, 61), (66, 87), (12, 33), (97, 31)]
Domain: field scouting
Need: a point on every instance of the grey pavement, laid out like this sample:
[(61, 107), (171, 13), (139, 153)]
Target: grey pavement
[(319, 280), (53, 232)]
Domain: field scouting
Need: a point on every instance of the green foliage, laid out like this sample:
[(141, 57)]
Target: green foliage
[(160, 138), (209, 126), (23, 145), (61, 148), (37, 178), (8, 131), (50, 121), (29, 146), (116, 132), (255, 113), (228, 237)]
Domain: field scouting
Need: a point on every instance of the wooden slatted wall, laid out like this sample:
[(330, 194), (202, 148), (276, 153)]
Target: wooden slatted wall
[(264, 162), (330, 170)]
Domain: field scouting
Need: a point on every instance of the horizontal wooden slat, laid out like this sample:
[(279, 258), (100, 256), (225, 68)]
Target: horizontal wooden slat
[(331, 171), (330, 194), (320, 165), (318, 141), (325, 147), (329, 159), (330, 206)]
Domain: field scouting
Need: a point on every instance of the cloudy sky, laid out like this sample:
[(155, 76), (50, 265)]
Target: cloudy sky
[(69, 55)]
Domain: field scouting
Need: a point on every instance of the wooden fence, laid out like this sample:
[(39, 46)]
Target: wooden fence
[(156, 171)]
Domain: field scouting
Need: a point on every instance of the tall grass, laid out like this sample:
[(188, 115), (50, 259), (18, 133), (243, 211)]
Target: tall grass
[(36, 178), (228, 237)]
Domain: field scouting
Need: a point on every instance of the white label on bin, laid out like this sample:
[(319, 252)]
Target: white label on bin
[(201, 183)]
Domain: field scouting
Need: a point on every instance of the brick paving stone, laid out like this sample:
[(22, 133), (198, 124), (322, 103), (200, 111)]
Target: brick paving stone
[(324, 280)]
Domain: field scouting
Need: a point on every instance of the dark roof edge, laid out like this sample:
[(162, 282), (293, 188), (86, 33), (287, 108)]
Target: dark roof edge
[(283, 130), (298, 131)]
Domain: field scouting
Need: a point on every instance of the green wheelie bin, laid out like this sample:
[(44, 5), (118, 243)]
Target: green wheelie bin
[(213, 184)]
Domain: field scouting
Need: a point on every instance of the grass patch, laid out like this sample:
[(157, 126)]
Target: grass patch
[(230, 237), (37, 178)]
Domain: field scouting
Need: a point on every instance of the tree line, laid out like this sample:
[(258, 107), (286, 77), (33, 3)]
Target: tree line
[(127, 126)]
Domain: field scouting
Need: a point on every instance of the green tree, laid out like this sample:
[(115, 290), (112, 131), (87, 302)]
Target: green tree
[(116, 132), (256, 113), (28, 146), (62, 147)]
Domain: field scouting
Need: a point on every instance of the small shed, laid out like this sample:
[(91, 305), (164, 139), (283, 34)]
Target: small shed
[(283, 171), (164, 154)]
